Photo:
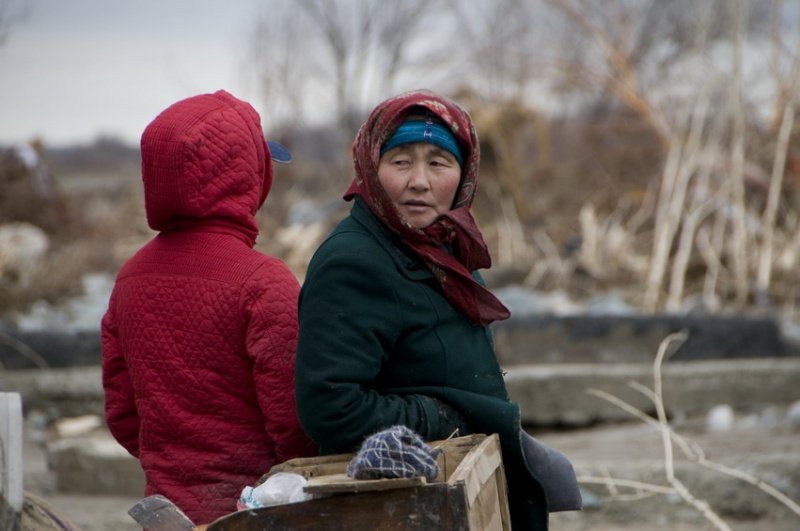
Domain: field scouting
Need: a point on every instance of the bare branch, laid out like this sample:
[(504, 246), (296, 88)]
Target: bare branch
[(739, 238), (692, 450), (352, 50), (10, 15), (771, 210)]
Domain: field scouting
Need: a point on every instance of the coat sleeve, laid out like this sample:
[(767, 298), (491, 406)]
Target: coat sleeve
[(272, 345), (122, 416), (349, 320)]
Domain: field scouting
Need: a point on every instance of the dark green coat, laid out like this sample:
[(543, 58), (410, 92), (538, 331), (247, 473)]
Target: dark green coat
[(378, 339)]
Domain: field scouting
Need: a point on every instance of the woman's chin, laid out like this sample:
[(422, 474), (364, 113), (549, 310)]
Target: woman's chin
[(417, 217)]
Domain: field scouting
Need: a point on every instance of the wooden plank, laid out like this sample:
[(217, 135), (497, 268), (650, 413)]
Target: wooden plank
[(482, 474), (11, 438), (453, 451), (337, 483), (430, 508), (157, 513), (485, 513), (502, 496), (478, 466), (311, 467), (469, 495)]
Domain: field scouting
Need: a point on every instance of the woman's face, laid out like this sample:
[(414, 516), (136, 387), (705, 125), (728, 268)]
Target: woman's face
[(421, 179)]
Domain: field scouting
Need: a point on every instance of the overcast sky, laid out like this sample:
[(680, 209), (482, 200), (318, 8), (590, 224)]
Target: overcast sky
[(72, 70)]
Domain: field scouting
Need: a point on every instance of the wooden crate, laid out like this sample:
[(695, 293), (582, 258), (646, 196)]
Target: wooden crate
[(469, 495)]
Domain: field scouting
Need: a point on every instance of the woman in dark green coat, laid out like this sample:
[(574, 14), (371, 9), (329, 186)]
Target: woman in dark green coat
[(394, 315)]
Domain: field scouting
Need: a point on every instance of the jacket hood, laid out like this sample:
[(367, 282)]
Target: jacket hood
[(205, 160)]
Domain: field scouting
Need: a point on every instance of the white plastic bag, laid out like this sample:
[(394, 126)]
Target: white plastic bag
[(278, 489)]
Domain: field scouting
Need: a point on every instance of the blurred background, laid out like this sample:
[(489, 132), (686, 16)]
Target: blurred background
[(647, 149), (640, 174)]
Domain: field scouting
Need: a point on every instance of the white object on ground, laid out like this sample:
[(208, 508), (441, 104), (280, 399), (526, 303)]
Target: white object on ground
[(720, 418), (279, 489)]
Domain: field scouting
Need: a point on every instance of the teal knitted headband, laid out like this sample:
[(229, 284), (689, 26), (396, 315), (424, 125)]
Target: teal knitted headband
[(425, 131)]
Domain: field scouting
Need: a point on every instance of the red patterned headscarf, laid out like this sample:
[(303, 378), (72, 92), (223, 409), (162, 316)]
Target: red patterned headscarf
[(456, 228)]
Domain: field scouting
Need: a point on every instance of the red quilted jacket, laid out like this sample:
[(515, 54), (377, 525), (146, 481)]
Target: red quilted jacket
[(200, 334)]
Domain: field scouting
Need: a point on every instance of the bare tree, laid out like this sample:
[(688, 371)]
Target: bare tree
[(346, 54), (680, 66), (785, 64), (10, 15), (502, 43), (274, 64), (711, 189)]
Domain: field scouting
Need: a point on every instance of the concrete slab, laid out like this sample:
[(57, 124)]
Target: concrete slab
[(539, 338), (635, 339), (549, 394), (94, 465), (49, 349), (557, 395), (65, 392), (93, 480)]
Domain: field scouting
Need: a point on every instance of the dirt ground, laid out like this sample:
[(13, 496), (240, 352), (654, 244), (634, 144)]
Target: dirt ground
[(625, 451), (87, 512), (636, 452)]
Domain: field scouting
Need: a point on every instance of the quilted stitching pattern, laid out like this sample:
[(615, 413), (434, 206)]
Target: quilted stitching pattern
[(200, 335), (205, 157)]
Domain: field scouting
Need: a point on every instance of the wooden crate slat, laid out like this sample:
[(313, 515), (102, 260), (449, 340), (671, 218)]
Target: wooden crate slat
[(428, 508), (11, 438), (343, 483), (469, 495), (478, 466)]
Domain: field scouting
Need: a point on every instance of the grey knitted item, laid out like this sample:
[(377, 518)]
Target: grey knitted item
[(395, 452)]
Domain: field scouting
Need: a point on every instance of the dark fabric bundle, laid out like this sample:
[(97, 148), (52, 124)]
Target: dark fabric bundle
[(395, 452)]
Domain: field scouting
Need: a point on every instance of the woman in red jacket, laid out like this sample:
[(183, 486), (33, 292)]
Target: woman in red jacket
[(200, 334)]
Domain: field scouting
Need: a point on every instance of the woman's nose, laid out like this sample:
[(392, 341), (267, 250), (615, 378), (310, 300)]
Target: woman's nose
[(418, 179)]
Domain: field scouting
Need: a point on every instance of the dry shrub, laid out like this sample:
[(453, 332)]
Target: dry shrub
[(21, 201), (565, 204), (84, 231)]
